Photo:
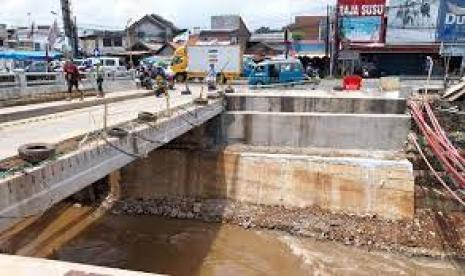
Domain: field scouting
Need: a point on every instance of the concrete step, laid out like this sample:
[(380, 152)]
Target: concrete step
[(316, 101), (325, 130)]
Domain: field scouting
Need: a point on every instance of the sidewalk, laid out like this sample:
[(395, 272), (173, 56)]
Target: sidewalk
[(8, 114)]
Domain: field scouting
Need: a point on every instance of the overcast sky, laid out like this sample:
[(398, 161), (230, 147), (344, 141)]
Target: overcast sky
[(184, 13)]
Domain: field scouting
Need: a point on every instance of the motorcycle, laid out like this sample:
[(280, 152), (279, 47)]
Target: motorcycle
[(160, 86)]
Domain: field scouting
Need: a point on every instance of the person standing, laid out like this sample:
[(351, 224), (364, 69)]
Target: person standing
[(72, 78), (99, 76)]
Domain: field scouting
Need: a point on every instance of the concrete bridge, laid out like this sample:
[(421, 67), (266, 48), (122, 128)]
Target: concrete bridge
[(296, 148), (33, 190)]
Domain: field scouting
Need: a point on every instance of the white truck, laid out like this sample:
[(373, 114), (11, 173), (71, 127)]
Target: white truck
[(226, 59)]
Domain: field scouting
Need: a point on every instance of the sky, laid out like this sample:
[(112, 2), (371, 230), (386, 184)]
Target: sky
[(114, 14)]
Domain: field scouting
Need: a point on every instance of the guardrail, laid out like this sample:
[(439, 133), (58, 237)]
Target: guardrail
[(30, 79), (26, 84), (8, 80)]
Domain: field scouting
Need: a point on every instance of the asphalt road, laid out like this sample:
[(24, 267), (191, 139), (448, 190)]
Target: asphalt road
[(58, 127)]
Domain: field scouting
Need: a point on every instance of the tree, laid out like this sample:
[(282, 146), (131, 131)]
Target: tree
[(264, 30)]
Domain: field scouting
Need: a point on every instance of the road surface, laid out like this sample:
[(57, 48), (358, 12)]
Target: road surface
[(58, 127)]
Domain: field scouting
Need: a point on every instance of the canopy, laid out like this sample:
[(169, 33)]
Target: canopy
[(29, 55)]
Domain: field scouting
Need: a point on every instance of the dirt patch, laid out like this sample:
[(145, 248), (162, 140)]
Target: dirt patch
[(428, 234)]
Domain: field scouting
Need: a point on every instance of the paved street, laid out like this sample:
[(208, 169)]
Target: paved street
[(58, 127)]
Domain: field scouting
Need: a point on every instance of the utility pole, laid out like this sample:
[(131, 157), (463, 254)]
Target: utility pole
[(70, 26)]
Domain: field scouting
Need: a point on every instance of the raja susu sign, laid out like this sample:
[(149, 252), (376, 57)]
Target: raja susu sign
[(361, 7), (361, 20), (452, 21)]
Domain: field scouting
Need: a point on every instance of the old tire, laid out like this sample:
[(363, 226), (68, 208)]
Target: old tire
[(36, 152), (201, 101), (117, 132), (147, 117)]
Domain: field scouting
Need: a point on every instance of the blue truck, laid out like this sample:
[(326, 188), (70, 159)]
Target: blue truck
[(277, 71)]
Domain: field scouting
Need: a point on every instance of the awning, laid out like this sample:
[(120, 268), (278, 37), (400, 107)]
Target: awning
[(29, 55), (381, 48)]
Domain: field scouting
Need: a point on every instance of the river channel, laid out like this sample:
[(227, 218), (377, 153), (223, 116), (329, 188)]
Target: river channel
[(184, 247)]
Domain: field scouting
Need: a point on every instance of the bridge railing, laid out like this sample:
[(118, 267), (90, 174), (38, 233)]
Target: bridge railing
[(30, 79), (26, 84), (8, 80)]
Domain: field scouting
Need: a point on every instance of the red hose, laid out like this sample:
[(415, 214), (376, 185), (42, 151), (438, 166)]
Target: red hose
[(440, 145)]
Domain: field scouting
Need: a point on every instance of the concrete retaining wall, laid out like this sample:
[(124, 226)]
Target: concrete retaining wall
[(326, 130), (347, 184)]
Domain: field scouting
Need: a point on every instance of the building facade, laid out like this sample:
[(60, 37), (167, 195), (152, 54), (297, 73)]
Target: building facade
[(104, 42), (3, 36), (227, 28), (152, 28)]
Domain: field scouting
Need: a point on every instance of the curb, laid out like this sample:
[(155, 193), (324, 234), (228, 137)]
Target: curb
[(40, 111)]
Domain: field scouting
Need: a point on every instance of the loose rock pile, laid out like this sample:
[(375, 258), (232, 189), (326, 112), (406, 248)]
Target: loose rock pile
[(429, 234)]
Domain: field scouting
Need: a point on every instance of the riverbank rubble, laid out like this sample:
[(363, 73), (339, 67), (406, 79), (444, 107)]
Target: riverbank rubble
[(430, 233)]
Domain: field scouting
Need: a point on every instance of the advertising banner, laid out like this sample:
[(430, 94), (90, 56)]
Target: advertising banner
[(412, 21), (361, 20), (361, 29), (361, 7), (452, 21)]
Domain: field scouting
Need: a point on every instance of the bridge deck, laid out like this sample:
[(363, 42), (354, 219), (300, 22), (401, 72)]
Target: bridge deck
[(54, 128)]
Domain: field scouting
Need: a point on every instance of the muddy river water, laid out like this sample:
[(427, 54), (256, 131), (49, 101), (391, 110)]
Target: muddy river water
[(182, 247)]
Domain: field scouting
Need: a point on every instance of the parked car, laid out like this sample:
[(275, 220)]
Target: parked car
[(277, 71), (37, 67), (110, 64)]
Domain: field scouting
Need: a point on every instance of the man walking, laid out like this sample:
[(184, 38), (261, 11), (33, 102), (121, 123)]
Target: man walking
[(72, 78), (99, 75)]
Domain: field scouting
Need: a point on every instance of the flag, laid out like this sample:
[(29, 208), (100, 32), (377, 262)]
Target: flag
[(53, 33)]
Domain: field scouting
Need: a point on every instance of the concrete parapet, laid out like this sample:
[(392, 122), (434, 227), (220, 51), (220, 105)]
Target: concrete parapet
[(326, 130), (358, 185), (24, 266)]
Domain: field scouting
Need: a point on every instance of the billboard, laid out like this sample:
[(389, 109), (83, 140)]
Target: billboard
[(361, 7), (361, 20), (452, 21), (361, 29), (412, 21)]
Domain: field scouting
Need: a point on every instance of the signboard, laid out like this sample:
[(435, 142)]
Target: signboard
[(361, 7), (412, 21), (361, 20), (349, 55), (452, 21), (452, 50), (361, 29)]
